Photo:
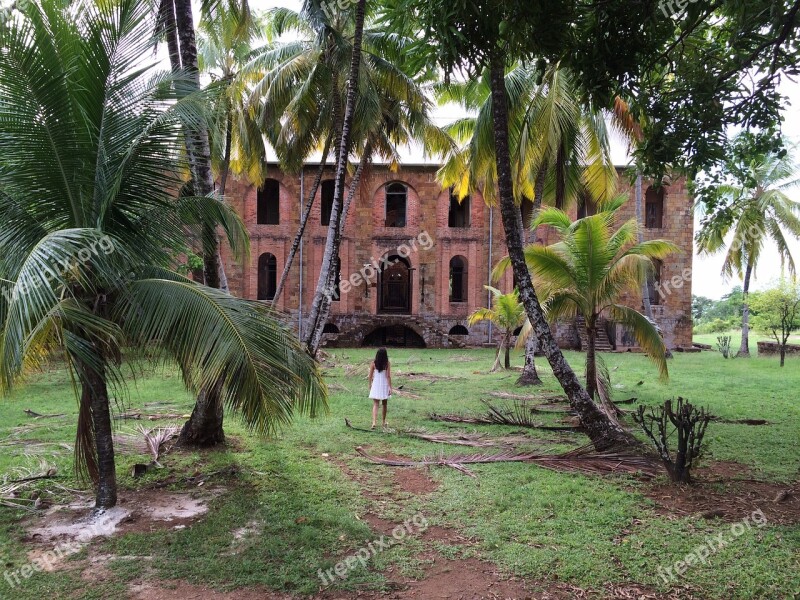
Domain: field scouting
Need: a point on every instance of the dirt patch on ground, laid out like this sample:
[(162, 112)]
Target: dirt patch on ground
[(181, 590), (145, 510), (722, 490), (414, 481)]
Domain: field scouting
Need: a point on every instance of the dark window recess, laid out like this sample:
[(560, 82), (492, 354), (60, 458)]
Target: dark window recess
[(268, 200), (198, 275), (654, 208), (654, 283), (587, 207), (330, 328), (267, 276), (526, 212), (458, 279), (396, 200), (328, 188), (459, 211), (458, 330)]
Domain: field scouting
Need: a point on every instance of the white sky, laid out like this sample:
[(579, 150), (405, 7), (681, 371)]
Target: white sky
[(706, 280)]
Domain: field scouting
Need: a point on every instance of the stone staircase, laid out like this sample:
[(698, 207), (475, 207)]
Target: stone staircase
[(601, 342)]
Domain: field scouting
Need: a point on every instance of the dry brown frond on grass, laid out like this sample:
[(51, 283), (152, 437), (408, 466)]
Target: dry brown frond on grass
[(583, 460)]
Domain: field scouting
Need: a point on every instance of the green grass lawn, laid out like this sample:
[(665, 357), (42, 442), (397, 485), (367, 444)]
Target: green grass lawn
[(736, 339), (309, 510)]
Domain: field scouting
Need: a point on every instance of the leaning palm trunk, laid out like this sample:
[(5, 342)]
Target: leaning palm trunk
[(205, 426), (601, 430), (298, 238), (322, 296), (744, 349)]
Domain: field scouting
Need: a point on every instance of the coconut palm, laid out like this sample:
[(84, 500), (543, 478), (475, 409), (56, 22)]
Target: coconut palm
[(754, 211), (587, 271), (90, 160), (301, 91), (225, 46), (507, 314)]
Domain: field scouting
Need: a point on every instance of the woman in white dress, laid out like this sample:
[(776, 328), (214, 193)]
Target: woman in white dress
[(380, 384)]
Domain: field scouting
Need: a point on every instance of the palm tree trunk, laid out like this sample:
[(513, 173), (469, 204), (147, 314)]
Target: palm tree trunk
[(601, 430), (100, 458), (204, 427), (322, 297), (497, 356), (529, 375), (648, 309), (365, 158), (591, 359), (507, 343), (303, 222), (744, 349), (226, 160)]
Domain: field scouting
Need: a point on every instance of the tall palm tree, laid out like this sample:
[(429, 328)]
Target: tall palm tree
[(754, 211), (225, 46), (90, 159), (506, 313), (300, 90), (560, 148), (586, 272)]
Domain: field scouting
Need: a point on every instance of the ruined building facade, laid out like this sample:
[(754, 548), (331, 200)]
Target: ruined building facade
[(433, 257)]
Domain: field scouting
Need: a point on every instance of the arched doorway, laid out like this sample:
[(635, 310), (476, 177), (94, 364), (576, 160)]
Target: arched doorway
[(396, 336), (395, 286)]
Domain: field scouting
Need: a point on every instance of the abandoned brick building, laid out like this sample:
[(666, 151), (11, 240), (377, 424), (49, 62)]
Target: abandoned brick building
[(440, 253)]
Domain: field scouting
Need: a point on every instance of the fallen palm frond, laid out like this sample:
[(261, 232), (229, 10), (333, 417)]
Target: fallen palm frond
[(427, 376), (406, 394), (356, 370), (739, 421), (9, 497), (137, 416), (518, 414), (476, 440), (337, 387), (583, 460), (156, 438), (36, 415), (549, 396)]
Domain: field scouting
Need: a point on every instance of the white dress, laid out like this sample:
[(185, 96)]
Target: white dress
[(380, 386)]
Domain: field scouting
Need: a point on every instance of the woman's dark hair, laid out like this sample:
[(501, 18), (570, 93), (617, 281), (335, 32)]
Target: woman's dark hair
[(381, 359)]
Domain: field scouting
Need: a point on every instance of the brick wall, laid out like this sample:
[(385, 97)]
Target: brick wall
[(430, 244)]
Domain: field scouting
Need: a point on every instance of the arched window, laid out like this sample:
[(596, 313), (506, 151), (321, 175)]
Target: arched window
[(654, 208), (458, 330), (458, 279), (654, 282), (459, 211), (267, 276), (268, 203), (330, 328), (396, 201), (328, 188)]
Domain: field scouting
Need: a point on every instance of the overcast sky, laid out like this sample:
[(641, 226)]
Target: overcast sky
[(707, 280)]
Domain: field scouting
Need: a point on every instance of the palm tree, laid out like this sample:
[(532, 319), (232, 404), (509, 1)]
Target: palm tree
[(236, 141), (586, 272), (753, 211), (506, 313), (90, 159), (560, 148), (300, 89)]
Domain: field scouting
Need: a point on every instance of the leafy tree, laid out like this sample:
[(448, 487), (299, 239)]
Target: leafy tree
[(587, 271), (777, 312), (749, 209), (90, 158), (700, 305), (507, 313)]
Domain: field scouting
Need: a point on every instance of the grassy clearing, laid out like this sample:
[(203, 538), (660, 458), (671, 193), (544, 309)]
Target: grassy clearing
[(306, 513)]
